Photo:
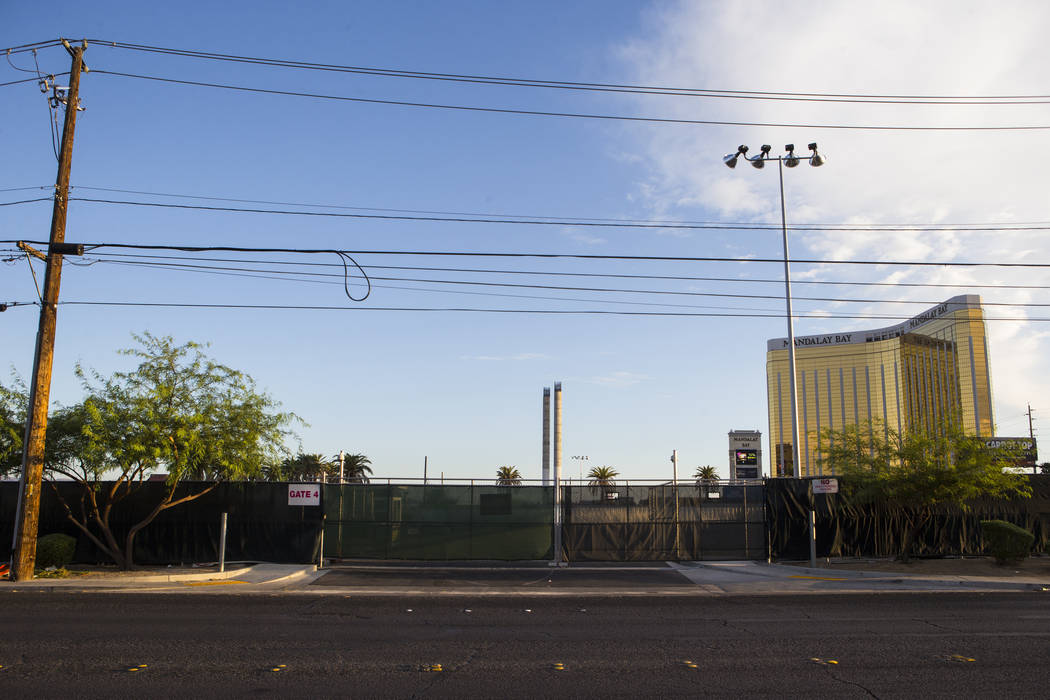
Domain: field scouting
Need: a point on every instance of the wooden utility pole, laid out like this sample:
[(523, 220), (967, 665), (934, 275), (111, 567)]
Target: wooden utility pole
[(28, 518)]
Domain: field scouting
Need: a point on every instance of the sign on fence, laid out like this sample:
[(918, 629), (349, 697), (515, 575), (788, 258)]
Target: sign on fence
[(825, 485), (304, 494)]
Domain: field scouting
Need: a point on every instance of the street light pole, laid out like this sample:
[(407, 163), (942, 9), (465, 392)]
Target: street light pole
[(791, 160), (796, 465)]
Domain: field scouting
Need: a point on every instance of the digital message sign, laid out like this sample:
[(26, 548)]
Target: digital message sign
[(747, 457)]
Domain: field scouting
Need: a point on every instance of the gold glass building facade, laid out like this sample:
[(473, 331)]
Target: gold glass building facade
[(931, 367)]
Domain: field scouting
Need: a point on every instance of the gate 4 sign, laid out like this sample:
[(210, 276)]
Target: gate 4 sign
[(825, 485), (304, 495)]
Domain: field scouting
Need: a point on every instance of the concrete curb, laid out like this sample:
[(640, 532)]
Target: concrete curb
[(306, 571), (257, 574), (118, 581)]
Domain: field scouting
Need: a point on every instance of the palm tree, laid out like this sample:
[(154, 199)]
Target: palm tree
[(602, 476), (706, 473), (302, 467), (508, 476), (356, 467)]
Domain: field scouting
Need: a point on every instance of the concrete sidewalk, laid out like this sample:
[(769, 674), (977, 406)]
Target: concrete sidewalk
[(633, 578), (806, 579)]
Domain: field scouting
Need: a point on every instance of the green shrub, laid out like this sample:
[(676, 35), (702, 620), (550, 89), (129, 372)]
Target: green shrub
[(1006, 541), (55, 550)]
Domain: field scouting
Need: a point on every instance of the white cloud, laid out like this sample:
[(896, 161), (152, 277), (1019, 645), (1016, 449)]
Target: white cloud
[(618, 379), (582, 236), (886, 177), (522, 356)]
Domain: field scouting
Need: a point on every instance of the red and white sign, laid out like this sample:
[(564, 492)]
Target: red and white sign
[(304, 494), (825, 485)]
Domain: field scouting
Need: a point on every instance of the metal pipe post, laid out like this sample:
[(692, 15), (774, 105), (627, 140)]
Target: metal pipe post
[(812, 537), (222, 543), (677, 521)]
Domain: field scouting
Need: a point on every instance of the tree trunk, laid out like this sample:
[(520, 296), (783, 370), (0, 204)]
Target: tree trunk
[(917, 523), (169, 501), (107, 543)]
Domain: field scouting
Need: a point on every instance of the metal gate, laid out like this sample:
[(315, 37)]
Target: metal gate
[(722, 521), (628, 522)]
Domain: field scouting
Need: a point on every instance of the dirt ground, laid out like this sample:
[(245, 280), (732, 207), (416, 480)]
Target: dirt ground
[(1038, 566), (90, 570)]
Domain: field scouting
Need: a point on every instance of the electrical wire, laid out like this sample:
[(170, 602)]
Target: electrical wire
[(685, 278), (26, 201), (590, 86), (52, 106), (31, 80), (575, 115), (287, 278), (18, 82), (12, 64), (565, 222), (475, 283), (471, 217), (551, 256), (568, 312), (30, 47), (572, 220), (550, 273)]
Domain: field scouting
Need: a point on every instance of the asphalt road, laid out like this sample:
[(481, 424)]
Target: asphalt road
[(889, 645), (517, 579)]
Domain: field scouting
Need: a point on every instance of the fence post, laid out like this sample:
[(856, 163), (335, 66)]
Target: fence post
[(556, 561), (320, 549), (222, 543), (339, 524), (812, 528), (747, 521)]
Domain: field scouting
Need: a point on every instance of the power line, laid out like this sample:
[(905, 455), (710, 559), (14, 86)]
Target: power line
[(568, 256), (995, 226), (604, 312), (539, 221), (685, 278), (19, 82), (576, 115), (590, 86), (23, 48), (27, 201), (286, 277), (551, 273), (476, 283), (439, 215)]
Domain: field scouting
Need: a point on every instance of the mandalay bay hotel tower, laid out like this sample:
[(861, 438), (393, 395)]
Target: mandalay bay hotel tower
[(911, 375)]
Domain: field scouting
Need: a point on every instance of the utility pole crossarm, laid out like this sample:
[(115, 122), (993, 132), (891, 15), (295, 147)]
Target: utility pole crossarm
[(30, 250)]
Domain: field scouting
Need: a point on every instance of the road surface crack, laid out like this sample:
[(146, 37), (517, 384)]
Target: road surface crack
[(854, 684), (937, 626)]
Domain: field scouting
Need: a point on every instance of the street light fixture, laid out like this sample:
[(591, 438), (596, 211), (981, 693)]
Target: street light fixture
[(790, 160)]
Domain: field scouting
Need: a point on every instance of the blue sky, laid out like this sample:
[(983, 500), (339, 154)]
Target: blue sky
[(464, 389)]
